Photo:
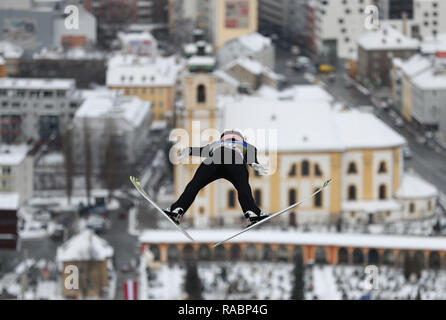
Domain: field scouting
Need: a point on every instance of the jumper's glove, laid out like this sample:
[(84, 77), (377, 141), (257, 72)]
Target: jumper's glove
[(261, 169), (183, 153)]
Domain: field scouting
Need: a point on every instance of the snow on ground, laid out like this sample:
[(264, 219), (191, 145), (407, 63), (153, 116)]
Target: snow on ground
[(247, 280), (325, 283), (244, 280), (168, 283)]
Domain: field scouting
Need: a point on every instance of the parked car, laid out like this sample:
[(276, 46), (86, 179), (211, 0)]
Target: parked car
[(125, 268), (58, 232), (326, 68), (399, 123), (302, 63), (96, 223), (42, 215), (407, 154)]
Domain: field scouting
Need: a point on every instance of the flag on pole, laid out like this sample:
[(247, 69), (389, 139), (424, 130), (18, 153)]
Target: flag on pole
[(130, 290)]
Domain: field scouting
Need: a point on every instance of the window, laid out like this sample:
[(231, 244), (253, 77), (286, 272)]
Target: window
[(382, 192), (292, 196), (292, 172), (352, 168), (317, 170), (258, 197), (305, 168), (201, 94), (411, 207), (318, 199), (6, 171), (352, 193), (231, 198), (429, 205), (382, 167)]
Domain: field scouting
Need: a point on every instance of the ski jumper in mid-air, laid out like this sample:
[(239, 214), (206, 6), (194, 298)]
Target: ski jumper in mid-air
[(228, 159)]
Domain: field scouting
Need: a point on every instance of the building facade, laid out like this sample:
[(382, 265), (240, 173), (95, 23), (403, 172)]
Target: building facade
[(16, 175), (286, 246), (89, 256), (253, 45), (366, 172), (108, 117), (34, 109), (338, 25), (151, 79), (376, 50), (231, 19)]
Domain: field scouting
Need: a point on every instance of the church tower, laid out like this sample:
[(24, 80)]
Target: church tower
[(198, 115)]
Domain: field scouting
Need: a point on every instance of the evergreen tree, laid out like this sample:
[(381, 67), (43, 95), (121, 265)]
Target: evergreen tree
[(298, 285), (407, 266), (68, 163), (192, 283)]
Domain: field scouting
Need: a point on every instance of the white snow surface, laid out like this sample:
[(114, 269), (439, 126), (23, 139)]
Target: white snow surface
[(109, 103), (132, 71), (37, 83), (83, 247), (298, 238), (300, 130), (414, 187), (387, 38), (11, 155), (9, 200)]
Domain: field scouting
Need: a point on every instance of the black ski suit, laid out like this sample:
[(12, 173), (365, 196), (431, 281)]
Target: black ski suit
[(222, 161)]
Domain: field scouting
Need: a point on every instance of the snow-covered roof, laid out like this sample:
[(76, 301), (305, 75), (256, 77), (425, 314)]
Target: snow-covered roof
[(131, 38), (37, 83), (51, 159), (432, 45), (108, 103), (10, 50), (433, 78), (297, 238), (253, 41), (140, 71), (387, 38), (201, 61), (254, 67), (226, 77), (84, 246), (9, 201), (296, 93), (414, 65), (308, 125), (371, 205), (77, 53), (192, 48), (414, 187), (251, 65), (12, 155)]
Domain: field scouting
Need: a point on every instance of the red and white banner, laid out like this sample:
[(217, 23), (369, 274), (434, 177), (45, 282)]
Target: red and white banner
[(130, 290)]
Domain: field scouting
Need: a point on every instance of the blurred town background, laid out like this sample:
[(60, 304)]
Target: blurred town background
[(91, 90)]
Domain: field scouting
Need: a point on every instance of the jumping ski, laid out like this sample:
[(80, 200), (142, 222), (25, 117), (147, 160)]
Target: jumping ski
[(138, 187), (275, 214)]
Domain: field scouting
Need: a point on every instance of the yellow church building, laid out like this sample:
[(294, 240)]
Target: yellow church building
[(306, 140)]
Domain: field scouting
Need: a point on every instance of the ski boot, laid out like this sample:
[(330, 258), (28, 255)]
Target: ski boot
[(174, 215), (254, 218)]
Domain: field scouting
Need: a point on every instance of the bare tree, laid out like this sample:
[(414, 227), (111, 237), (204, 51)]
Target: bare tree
[(110, 166), (68, 163), (87, 160)]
